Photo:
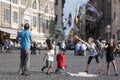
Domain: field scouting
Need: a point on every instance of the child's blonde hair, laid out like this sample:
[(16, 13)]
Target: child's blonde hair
[(92, 39)]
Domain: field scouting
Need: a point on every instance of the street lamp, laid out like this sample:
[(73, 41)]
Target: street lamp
[(108, 31)]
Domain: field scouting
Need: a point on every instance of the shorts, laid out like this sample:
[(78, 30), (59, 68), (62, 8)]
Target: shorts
[(91, 57), (49, 64)]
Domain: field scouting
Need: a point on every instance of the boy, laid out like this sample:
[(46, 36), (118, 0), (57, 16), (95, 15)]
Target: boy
[(61, 62), (49, 57)]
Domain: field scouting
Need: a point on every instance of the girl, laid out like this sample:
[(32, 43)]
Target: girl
[(110, 47), (93, 53)]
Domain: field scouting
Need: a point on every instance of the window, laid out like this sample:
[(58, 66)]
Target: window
[(46, 24), (26, 21), (46, 9), (41, 22), (7, 15), (41, 6), (114, 1), (118, 34), (56, 2), (114, 15), (56, 19), (52, 26), (15, 17), (34, 21), (15, 1), (34, 4), (25, 1)]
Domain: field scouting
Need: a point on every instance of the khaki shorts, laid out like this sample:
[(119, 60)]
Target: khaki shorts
[(49, 64)]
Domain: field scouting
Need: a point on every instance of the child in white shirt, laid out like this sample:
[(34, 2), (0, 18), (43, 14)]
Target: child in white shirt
[(49, 57)]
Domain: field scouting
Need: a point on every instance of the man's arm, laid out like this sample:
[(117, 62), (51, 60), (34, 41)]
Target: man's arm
[(18, 36)]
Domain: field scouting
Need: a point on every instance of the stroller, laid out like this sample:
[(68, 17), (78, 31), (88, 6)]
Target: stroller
[(61, 63)]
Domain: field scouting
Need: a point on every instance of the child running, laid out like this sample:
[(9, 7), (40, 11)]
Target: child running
[(93, 53), (49, 57)]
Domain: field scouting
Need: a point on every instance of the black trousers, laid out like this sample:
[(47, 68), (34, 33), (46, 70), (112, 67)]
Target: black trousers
[(91, 57)]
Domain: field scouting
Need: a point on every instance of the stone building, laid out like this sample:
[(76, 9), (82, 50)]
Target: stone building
[(38, 13), (94, 26), (115, 19), (111, 16)]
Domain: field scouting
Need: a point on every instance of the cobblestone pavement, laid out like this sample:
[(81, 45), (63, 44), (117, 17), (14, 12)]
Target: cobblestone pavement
[(9, 64)]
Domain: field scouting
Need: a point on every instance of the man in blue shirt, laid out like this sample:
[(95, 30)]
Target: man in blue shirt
[(25, 42)]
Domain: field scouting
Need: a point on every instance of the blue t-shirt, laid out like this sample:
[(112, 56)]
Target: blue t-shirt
[(25, 37)]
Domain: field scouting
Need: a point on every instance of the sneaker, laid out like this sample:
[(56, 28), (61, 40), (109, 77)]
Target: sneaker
[(108, 74), (116, 74), (42, 69), (22, 74), (100, 72), (48, 73), (26, 74), (86, 72)]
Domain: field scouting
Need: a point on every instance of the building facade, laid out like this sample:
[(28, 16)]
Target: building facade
[(115, 19), (93, 26), (38, 13), (111, 16)]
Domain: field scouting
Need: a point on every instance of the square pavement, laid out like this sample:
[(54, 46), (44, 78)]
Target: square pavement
[(9, 65)]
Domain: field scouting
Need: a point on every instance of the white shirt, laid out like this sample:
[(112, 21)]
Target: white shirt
[(50, 55), (11, 43), (93, 51), (78, 46), (63, 46), (84, 47)]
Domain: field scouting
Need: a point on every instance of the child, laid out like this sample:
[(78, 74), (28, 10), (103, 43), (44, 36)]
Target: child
[(61, 62), (110, 57), (93, 53), (49, 56)]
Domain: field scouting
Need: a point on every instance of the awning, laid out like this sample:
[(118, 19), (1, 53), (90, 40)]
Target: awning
[(12, 32), (38, 37)]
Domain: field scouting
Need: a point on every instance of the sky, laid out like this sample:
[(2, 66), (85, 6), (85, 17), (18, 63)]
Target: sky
[(70, 7)]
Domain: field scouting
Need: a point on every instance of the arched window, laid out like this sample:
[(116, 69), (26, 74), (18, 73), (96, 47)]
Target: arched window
[(47, 9), (34, 4), (16, 1), (25, 1), (41, 6)]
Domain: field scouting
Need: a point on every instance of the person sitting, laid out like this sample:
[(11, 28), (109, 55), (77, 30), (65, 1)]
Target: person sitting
[(61, 62)]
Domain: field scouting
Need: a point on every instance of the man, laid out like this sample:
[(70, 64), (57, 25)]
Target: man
[(78, 48), (25, 42), (63, 46)]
